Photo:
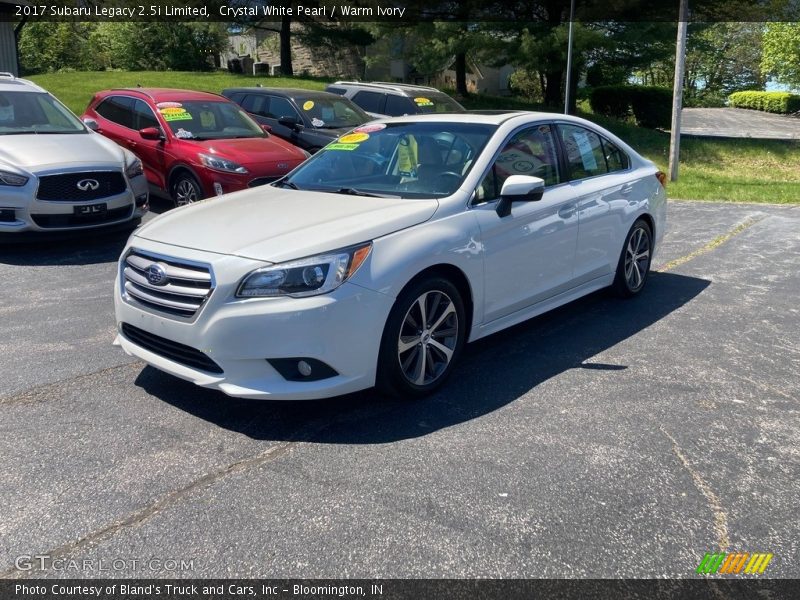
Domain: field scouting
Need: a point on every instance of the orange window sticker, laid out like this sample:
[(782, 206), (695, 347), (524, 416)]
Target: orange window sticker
[(354, 138), (308, 105)]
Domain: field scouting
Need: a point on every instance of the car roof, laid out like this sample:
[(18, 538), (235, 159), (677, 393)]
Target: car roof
[(491, 118), (386, 86), (168, 94), (285, 92), (9, 83)]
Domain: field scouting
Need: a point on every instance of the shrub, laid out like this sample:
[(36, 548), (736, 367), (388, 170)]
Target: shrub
[(611, 100), (774, 102), (651, 106)]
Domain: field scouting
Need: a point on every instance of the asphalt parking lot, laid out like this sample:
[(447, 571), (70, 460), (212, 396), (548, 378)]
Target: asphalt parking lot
[(606, 439)]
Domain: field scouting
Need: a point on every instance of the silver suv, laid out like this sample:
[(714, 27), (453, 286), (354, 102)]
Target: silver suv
[(55, 173), (382, 99)]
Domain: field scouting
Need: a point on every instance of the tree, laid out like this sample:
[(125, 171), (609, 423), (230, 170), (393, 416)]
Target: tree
[(781, 52)]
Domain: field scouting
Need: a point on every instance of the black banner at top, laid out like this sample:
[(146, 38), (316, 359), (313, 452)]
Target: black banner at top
[(398, 11)]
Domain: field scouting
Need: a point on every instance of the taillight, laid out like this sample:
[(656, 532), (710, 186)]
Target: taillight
[(662, 178)]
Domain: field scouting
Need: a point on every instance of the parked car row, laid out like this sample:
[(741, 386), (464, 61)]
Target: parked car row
[(183, 145)]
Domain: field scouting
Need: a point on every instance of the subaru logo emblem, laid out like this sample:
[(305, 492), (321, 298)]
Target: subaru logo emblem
[(156, 274), (86, 185)]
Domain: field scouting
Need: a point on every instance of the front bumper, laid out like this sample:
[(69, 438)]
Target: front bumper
[(22, 212), (341, 329)]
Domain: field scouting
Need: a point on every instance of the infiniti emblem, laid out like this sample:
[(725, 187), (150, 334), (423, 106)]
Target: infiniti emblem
[(86, 185), (156, 274)]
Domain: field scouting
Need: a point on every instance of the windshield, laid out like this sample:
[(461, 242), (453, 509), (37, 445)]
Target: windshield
[(405, 160), (201, 120), (332, 113), (436, 102), (35, 112)]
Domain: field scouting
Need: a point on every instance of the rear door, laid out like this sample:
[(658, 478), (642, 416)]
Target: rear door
[(605, 192)]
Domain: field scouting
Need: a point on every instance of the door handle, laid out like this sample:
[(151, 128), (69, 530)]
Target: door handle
[(566, 212), (626, 189)]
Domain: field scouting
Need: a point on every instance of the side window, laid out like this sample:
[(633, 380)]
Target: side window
[(616, 159), (144, 115), (529, 152), (256, 104), (336, 90), (397, 106), (118, 109), (281, 107), (370, 101), (585, 157), (237, 97)]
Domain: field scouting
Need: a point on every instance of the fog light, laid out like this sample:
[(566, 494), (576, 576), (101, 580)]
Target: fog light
[(141, 201), (7, 215), (218, 189), (303, 368)]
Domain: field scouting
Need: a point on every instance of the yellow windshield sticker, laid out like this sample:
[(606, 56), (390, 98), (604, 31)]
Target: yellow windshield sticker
[(423, 102), (407, 156), (354, 138), (175, 114), (308, 105)]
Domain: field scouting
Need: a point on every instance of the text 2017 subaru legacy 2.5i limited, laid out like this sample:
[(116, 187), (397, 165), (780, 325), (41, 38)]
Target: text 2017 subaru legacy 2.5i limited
[(377, 259), (57, 175)]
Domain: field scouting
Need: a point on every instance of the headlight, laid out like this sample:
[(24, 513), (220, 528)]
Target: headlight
[(305, 277), (7, 178), (134, 169), (221, 164)]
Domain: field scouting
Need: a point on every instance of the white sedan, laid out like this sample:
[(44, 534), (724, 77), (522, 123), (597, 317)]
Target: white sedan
[(375, 261)]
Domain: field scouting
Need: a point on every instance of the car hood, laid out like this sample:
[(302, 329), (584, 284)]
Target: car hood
[(42, 151), (251, 151), (275, 225)]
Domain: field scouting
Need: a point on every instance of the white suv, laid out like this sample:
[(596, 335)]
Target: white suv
[(55, 173)]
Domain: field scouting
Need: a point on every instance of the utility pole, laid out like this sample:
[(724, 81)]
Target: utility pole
[(569, 58), (677, 91)]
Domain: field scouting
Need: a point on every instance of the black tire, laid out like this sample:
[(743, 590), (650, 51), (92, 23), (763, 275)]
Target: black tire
[(633, 266), (185, 189), (424, 360)]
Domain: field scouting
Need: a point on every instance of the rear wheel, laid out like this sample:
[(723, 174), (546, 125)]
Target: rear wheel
[(634, 262), (186, 190), (423, 339)]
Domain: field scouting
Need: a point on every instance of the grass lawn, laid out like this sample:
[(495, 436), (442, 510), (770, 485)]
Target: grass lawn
[(742, 170)]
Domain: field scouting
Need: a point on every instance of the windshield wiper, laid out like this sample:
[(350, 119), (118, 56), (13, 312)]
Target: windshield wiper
[(355, 192), (284, 183)]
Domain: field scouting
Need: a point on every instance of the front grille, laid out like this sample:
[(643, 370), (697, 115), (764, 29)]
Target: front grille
[(72, 220), (64, 187), (261, 181), (179, 353), (181, 291)]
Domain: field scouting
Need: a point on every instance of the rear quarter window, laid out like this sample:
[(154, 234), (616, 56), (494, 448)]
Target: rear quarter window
[(117, 109)]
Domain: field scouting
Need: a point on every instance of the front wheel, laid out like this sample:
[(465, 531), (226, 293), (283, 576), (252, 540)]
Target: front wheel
[(634, 262), (186, 190), (422, 340)]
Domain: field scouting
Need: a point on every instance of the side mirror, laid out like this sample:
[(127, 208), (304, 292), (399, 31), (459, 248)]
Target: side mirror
[(290, 122), (151, 133), (519, 188), (267, 129), (91, 123)]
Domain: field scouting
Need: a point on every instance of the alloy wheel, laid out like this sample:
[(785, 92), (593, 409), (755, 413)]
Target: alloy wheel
[(637, 258)]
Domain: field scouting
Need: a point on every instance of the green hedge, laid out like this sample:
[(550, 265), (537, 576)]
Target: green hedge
[(651, 106), (774, 102)]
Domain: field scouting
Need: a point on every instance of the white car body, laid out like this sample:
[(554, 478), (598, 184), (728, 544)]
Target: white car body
[(544, 254)]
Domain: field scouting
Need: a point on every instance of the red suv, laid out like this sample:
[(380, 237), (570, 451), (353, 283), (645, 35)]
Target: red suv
[(193, 144)]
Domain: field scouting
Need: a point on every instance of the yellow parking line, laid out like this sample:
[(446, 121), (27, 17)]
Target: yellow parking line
[(717, 241)]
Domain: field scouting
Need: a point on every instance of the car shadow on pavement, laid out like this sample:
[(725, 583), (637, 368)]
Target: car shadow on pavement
[(85, 248), (492, 373)]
